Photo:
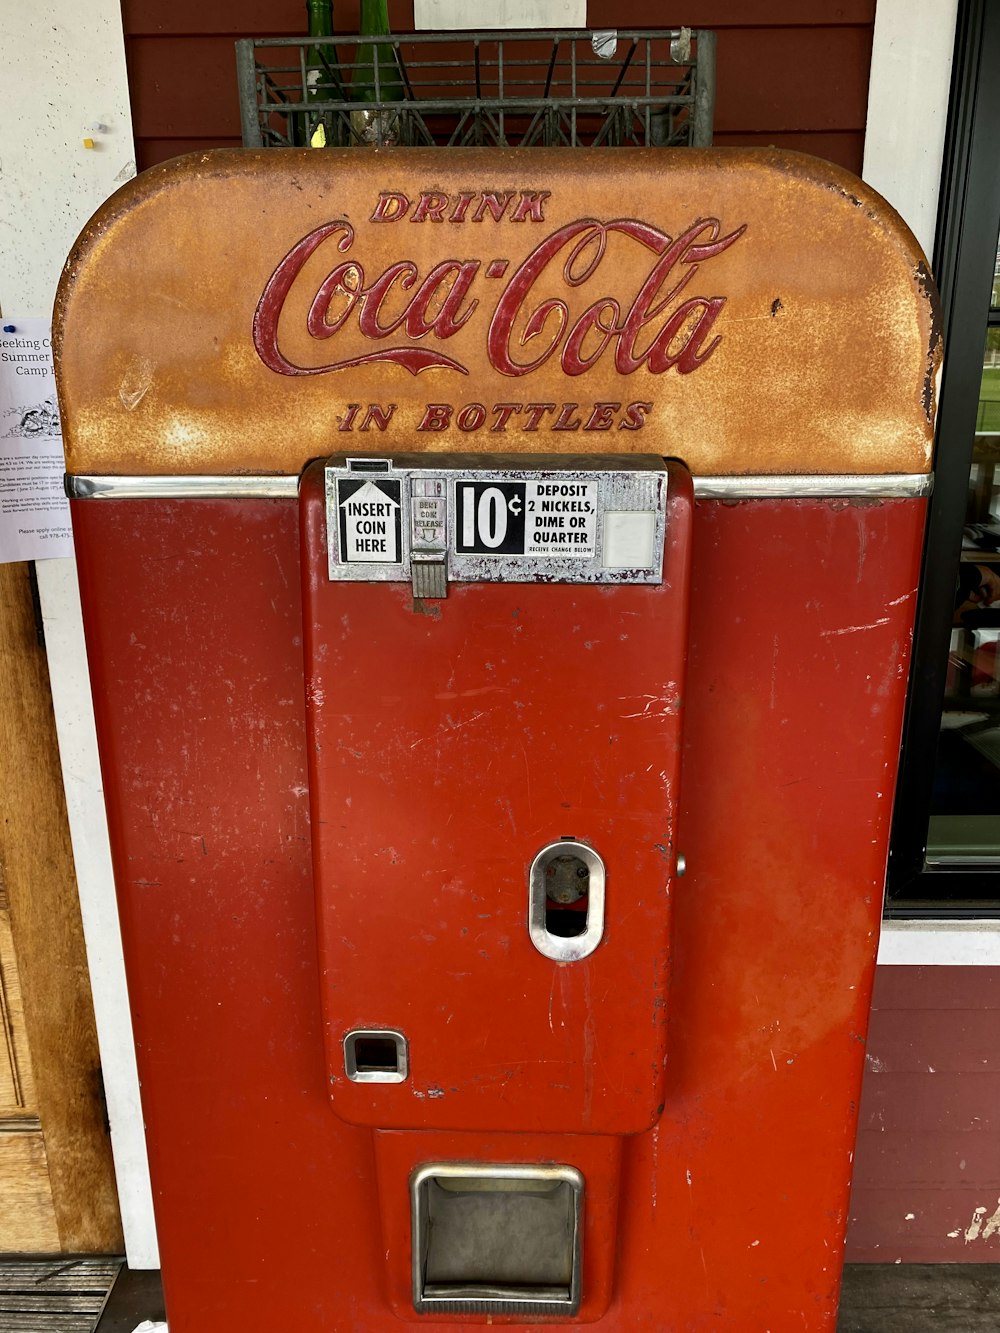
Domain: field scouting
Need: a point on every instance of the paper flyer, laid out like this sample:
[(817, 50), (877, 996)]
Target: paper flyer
[(34, 513)]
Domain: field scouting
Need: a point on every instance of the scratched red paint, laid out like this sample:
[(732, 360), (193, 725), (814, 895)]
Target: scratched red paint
[(284, 869), (526, 713), (791, 732)]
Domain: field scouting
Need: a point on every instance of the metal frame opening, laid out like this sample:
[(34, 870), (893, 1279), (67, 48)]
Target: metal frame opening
[(497, 1239), (565, 948), (376, 1055)]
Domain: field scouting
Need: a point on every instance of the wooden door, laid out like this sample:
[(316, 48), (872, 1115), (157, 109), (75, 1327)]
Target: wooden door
[(57, 1191)]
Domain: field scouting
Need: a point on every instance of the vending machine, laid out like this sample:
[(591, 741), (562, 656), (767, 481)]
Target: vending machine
[(498, 572)]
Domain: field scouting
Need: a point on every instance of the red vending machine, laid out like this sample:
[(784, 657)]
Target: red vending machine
[(498, 574)]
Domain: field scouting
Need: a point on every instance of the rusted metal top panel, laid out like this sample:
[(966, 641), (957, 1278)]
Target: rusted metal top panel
[(749, 312)]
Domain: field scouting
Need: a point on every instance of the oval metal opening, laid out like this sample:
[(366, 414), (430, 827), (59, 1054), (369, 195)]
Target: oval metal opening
[(566, 900)]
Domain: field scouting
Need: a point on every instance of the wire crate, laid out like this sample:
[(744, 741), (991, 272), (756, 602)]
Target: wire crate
[(489, 89)]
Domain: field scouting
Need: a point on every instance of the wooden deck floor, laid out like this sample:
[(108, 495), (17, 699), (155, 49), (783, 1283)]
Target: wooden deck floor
[(70, 1296), (920, 1298), (61, 1295)]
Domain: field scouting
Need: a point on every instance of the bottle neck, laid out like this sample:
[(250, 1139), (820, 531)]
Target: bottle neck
[(374, 19), (320, 15)]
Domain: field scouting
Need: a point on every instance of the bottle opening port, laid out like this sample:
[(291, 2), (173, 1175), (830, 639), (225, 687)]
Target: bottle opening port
[(375, 1056), (377, 1053)]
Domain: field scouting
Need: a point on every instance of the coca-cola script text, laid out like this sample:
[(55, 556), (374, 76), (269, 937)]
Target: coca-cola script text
[(660, 325)]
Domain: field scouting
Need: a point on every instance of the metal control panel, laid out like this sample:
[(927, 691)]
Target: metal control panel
[(431, 518)]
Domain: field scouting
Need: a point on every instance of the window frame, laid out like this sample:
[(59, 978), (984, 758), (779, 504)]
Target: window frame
[(965, 253)]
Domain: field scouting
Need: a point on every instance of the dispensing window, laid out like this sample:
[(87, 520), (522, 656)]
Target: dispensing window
[(497, 1239)]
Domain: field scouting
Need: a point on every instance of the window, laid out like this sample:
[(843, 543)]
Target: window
[(964, 825), (945, 858)]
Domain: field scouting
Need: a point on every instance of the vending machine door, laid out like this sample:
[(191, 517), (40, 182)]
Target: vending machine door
[(494, 681)]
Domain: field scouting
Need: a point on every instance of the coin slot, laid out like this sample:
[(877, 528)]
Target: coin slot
[(375, 1055)]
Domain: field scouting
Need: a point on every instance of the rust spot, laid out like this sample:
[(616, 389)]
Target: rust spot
[(425, 608), (928, 291)]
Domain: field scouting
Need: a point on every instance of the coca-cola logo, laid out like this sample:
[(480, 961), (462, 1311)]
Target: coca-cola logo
[(660, 324)]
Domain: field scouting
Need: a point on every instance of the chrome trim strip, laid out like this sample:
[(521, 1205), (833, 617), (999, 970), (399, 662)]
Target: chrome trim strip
[(878, 486), (182, 488)]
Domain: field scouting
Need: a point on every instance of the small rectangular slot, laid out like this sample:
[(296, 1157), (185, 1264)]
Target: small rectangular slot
[(374, 1055), (497, 1239), (369, 465)]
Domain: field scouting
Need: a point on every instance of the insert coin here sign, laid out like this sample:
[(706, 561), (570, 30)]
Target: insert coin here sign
[(528, 518), (369, 520)]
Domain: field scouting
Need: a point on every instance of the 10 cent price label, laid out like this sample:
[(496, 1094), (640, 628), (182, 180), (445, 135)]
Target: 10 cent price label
[(527, 518)]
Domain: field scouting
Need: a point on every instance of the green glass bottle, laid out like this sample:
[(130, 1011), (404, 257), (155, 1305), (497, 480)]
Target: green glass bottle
[(376, 78), (323, 83)]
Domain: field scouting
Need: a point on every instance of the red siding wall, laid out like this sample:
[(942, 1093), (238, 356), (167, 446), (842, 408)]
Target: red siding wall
[(927, 1166), (791, 75)]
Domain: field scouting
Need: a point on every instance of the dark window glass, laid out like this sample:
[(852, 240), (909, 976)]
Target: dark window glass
[(945, 854), (964, 825)]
